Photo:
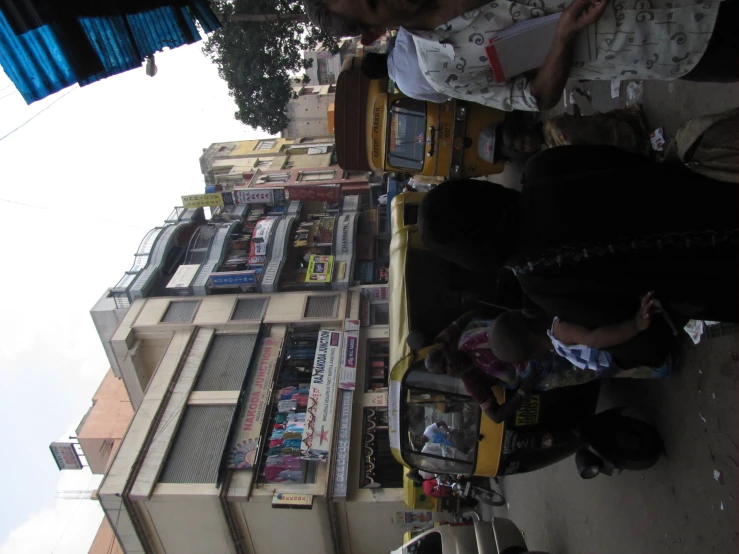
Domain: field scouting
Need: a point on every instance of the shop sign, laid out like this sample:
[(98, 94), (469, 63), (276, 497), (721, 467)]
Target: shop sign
[(212, 199), (315, 193), (319, 269), (260, 240), (258, 196), (243, 453), (183, 277), (344, 246), (351, 203), (228, 198), (292, 500), (233, 278), (364, 312), (65, 455), (350, 354), (316, 443), (341, 472), (375, 293)]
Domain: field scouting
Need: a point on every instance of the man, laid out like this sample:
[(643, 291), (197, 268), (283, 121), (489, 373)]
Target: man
[(647, 39)]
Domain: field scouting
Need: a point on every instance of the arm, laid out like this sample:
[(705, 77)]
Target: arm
[(551, 78), (452, 333), (441, 424), (607, 335)]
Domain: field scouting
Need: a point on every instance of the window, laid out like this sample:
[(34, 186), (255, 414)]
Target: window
[(226, 363), (317, 175), (321, 306), (429, 398), (274, 178), (196, 451), (262, 163), (266, 144), (288, 165), (378, 365), (180, 312), (379, 314), (249, 309), (407, 140)]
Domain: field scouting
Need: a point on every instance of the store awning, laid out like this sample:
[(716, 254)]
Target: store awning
[(43, 52)]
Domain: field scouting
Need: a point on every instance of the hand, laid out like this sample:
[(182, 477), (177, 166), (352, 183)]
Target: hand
[(644, 315), (579, 15)]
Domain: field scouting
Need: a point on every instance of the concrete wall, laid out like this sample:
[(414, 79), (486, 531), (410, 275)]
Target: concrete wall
[(105, 541)]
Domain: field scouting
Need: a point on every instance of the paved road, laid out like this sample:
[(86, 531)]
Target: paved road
[(677, 506)]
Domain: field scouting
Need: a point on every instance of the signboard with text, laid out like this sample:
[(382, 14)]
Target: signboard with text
[(260, 240), (255, 196), (212, 199), (65, 455), (246, 444), (183, 276), (320, 269), (341, 471), (349, 355), (316, 443), (228, 279), (315, 193), (292, 500)]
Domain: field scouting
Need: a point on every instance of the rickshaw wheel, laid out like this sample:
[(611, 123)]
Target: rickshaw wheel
[(637, 444)]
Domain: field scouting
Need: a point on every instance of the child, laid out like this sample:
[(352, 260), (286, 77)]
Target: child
[(518, 337)]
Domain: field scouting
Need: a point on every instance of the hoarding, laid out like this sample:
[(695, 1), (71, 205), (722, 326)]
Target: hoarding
[(316, 443), (255, 196), (212, 199), (320, 269), (65, 455), (315, 193), (226, 279)]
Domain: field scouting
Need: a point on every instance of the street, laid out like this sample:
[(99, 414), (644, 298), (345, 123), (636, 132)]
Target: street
[(678, 505)]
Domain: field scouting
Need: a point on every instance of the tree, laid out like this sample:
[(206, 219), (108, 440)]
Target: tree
[(258, 51)]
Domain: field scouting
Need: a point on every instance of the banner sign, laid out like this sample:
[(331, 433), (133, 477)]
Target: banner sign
[(315, 193), (348, 375), (243, 453), (65, 455), (212, 199), (292, 500), (183, 277), (227, 279), (320, 269), (316, 443), (255, 196), (341, 472), (260, 240)]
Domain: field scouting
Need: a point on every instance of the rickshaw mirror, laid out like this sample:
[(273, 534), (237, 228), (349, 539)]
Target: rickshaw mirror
[(415, 340)]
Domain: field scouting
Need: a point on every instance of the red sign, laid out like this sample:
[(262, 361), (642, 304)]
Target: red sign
[(314, 193)]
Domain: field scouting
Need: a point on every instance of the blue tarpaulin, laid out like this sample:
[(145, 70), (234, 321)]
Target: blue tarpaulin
[(42, 61)]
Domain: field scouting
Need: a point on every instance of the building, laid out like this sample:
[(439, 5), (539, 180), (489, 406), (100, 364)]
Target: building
[(311, 110), (201, 469)]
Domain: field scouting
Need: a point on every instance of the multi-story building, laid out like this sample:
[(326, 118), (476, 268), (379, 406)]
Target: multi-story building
[(310, 112)]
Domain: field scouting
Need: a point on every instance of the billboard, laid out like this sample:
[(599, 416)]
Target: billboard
[(315, 193), (65, 455), (320, 269)]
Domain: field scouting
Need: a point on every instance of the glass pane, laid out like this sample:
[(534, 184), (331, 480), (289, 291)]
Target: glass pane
[(441, 430), (407, 140), (429, 543)]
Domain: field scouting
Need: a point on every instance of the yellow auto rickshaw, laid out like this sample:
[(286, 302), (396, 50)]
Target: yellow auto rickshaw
[(385, 131), (548, 426)]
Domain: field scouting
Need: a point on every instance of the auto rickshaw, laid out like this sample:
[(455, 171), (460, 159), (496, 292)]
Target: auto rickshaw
[(380, 130), (548, 427)]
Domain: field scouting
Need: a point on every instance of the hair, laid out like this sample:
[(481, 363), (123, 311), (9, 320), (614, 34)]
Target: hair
[(374, 65), (320, 14), (513, 336), (435, 360)]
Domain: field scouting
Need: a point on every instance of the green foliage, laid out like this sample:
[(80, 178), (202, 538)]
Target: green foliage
[(258, 59)]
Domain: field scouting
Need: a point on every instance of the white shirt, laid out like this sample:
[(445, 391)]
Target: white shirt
[(402, 66), (639, 39), (431, 431)]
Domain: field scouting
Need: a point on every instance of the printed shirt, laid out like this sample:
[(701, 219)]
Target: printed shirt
[(475, 340), (640, 39), (580, 355), (402, 66)]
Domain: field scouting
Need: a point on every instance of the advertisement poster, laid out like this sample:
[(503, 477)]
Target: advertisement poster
[(349, 355), (413, 518), (256, 402), (259, 240), (320, 269), (212, 199), (319, 418)]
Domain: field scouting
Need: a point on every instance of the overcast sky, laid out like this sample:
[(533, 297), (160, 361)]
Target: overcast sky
[(79, 187)]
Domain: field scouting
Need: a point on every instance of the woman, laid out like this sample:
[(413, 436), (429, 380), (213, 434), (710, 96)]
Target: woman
[(593, 229)]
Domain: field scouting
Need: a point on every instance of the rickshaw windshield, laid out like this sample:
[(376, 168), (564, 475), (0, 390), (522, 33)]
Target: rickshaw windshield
[(441, 423), (430, 543), (407, 137)]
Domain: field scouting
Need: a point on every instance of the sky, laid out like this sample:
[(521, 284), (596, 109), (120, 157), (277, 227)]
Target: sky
[(80, 185)]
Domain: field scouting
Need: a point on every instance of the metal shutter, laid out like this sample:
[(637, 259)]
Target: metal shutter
[(226, 363), (180, 312), (321, 306), (249, 309), (198, 446)]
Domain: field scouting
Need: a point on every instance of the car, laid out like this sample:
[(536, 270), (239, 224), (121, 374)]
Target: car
[(502, 536)]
